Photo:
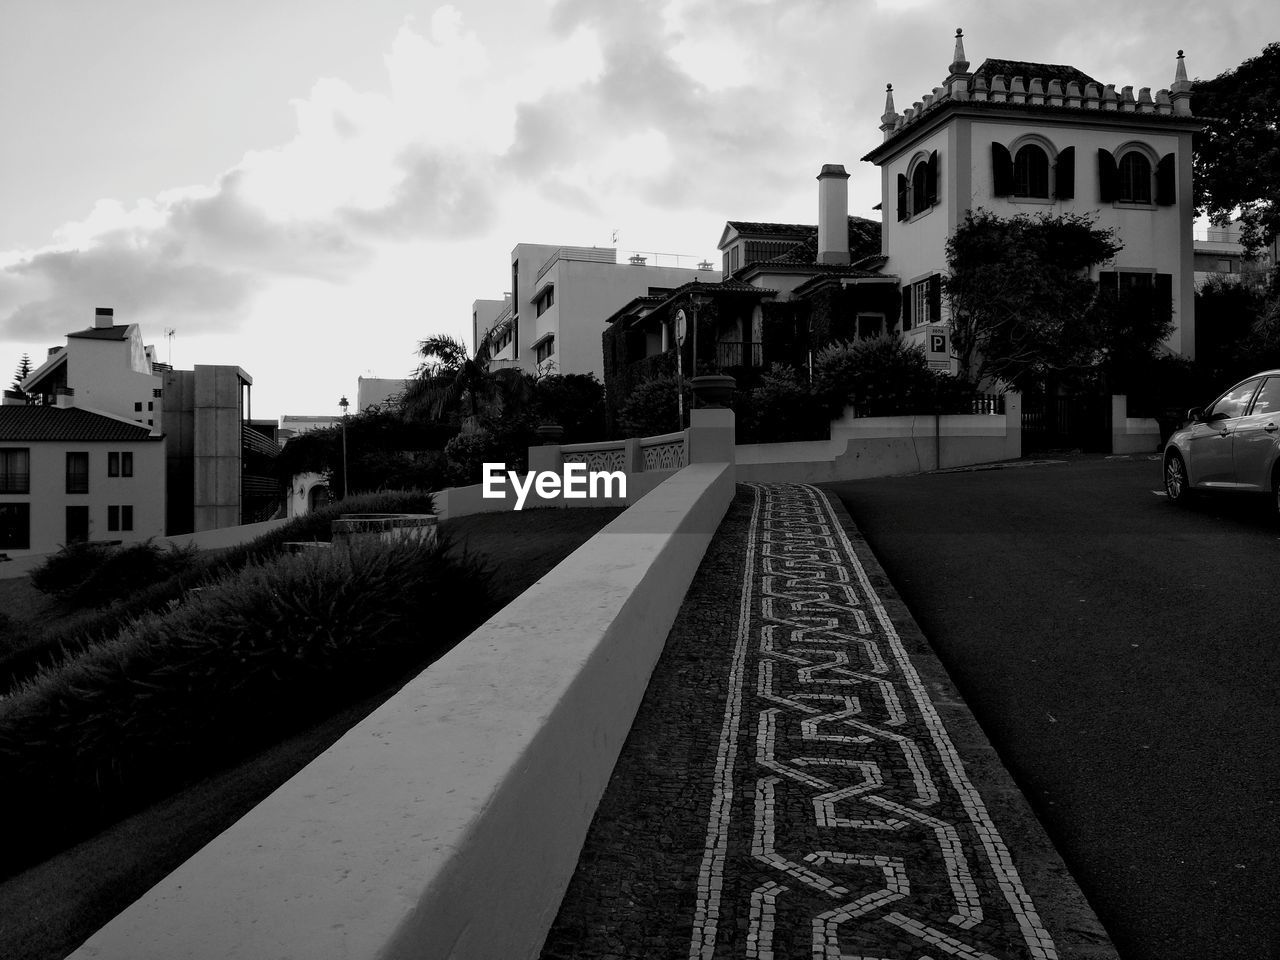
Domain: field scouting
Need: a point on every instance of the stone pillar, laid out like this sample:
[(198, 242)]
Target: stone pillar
[(1012, 425), (711, 435)]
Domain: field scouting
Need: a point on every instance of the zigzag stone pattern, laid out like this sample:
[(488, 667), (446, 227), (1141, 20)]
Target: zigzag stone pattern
[(842, 824)]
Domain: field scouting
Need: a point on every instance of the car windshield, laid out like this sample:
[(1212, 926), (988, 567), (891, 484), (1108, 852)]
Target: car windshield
[(1232, 403)]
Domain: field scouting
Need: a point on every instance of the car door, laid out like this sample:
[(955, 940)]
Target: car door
[(1256, 438), (1209, 445)]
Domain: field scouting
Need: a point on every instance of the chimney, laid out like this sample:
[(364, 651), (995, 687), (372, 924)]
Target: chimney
[(637, 260), (103, 317), (64, 398), (833, 214)]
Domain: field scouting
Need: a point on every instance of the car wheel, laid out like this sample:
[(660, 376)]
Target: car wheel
[(1176, 484)]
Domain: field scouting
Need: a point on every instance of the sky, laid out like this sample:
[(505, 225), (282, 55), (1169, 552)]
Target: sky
[(307, 188)]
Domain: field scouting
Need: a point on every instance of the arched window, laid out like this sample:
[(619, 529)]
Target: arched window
[(1031, 172), (920, 188), (1135, 178)]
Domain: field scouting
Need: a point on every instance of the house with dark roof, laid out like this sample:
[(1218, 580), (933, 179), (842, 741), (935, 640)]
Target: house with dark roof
[(789, 289), (1015, 137), (70, 474), (216, 469)]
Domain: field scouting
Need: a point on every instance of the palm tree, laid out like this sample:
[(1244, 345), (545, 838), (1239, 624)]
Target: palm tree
[(449, 380)]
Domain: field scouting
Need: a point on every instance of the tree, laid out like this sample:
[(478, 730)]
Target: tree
[(23, 371), (1022, 303), (451, 382), (1237, 156)]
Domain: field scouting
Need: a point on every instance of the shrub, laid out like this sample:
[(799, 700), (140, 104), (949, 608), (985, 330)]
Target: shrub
[(65, 570), (253, 656), (885, 376), (466, 454), (780, 408), (45, 648), (652, 409)]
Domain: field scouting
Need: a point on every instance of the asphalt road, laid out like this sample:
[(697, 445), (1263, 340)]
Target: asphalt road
[(1121, 655)]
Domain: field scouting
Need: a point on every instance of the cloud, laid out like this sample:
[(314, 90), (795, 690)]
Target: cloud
[(361, 170)]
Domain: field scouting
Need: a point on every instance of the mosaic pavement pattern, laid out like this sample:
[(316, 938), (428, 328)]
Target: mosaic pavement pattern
[(789, 789)]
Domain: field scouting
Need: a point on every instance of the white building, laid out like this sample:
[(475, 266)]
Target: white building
[(68, 474), (555, 315), (1026, 138)]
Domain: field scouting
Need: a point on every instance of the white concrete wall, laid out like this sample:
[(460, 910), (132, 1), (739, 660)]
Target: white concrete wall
[(447, 824), (887, 446), (144, 491), (113, 375)]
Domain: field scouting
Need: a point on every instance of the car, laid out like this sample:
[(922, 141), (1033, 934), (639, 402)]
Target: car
[(1230, 446)]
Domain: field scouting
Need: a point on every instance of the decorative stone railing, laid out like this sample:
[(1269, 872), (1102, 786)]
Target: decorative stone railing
[(667, 452), (605, 455)]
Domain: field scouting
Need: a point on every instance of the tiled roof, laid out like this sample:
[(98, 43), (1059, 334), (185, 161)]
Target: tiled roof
[(118, 332), (772, 229), (1027, 70), (864, 240), (32, 423)]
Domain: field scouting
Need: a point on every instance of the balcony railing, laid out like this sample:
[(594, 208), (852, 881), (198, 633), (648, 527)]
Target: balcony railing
[(739, 353)]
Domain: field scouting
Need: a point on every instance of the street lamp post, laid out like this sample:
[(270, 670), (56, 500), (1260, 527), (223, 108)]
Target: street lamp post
[(344, 404)]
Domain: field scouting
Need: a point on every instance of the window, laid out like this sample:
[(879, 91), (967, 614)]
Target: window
[(113, 518), (126, 517), (870, 325), (113, 464), (1268, 401), (151, 404), (77, 524), (156, 393), (918, 187), (1233, 403), (1031, 172), (77, 473), (15, 470), (137, 407), (126, 464), (922, 302), (120, 518), (545, 299), (1134, 185), (546, 349), (15, 526)]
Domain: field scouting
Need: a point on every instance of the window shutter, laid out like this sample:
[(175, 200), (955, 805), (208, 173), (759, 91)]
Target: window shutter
[(1163, 299), (1064, 186), (1108, 177), (902, 197), (906, 308), (1166, 192), (1001, 170), (935, 300), (931, 183)]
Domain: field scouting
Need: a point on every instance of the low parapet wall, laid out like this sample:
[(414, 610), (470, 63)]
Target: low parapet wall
[(887, 446), (448, 823)]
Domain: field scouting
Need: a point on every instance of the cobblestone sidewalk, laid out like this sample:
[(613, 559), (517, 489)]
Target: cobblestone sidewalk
[(789, 788)]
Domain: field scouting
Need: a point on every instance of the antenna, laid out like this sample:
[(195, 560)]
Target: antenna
[(615, 236), (169, 334)]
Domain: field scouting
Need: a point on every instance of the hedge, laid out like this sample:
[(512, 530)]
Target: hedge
[(252, 657)]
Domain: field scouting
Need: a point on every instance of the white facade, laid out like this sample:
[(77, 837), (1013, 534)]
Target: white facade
[(1080, 128), (109, 368), (560, 300), (120, 498)]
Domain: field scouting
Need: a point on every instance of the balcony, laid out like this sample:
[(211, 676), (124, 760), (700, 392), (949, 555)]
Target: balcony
[(739, 353)]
